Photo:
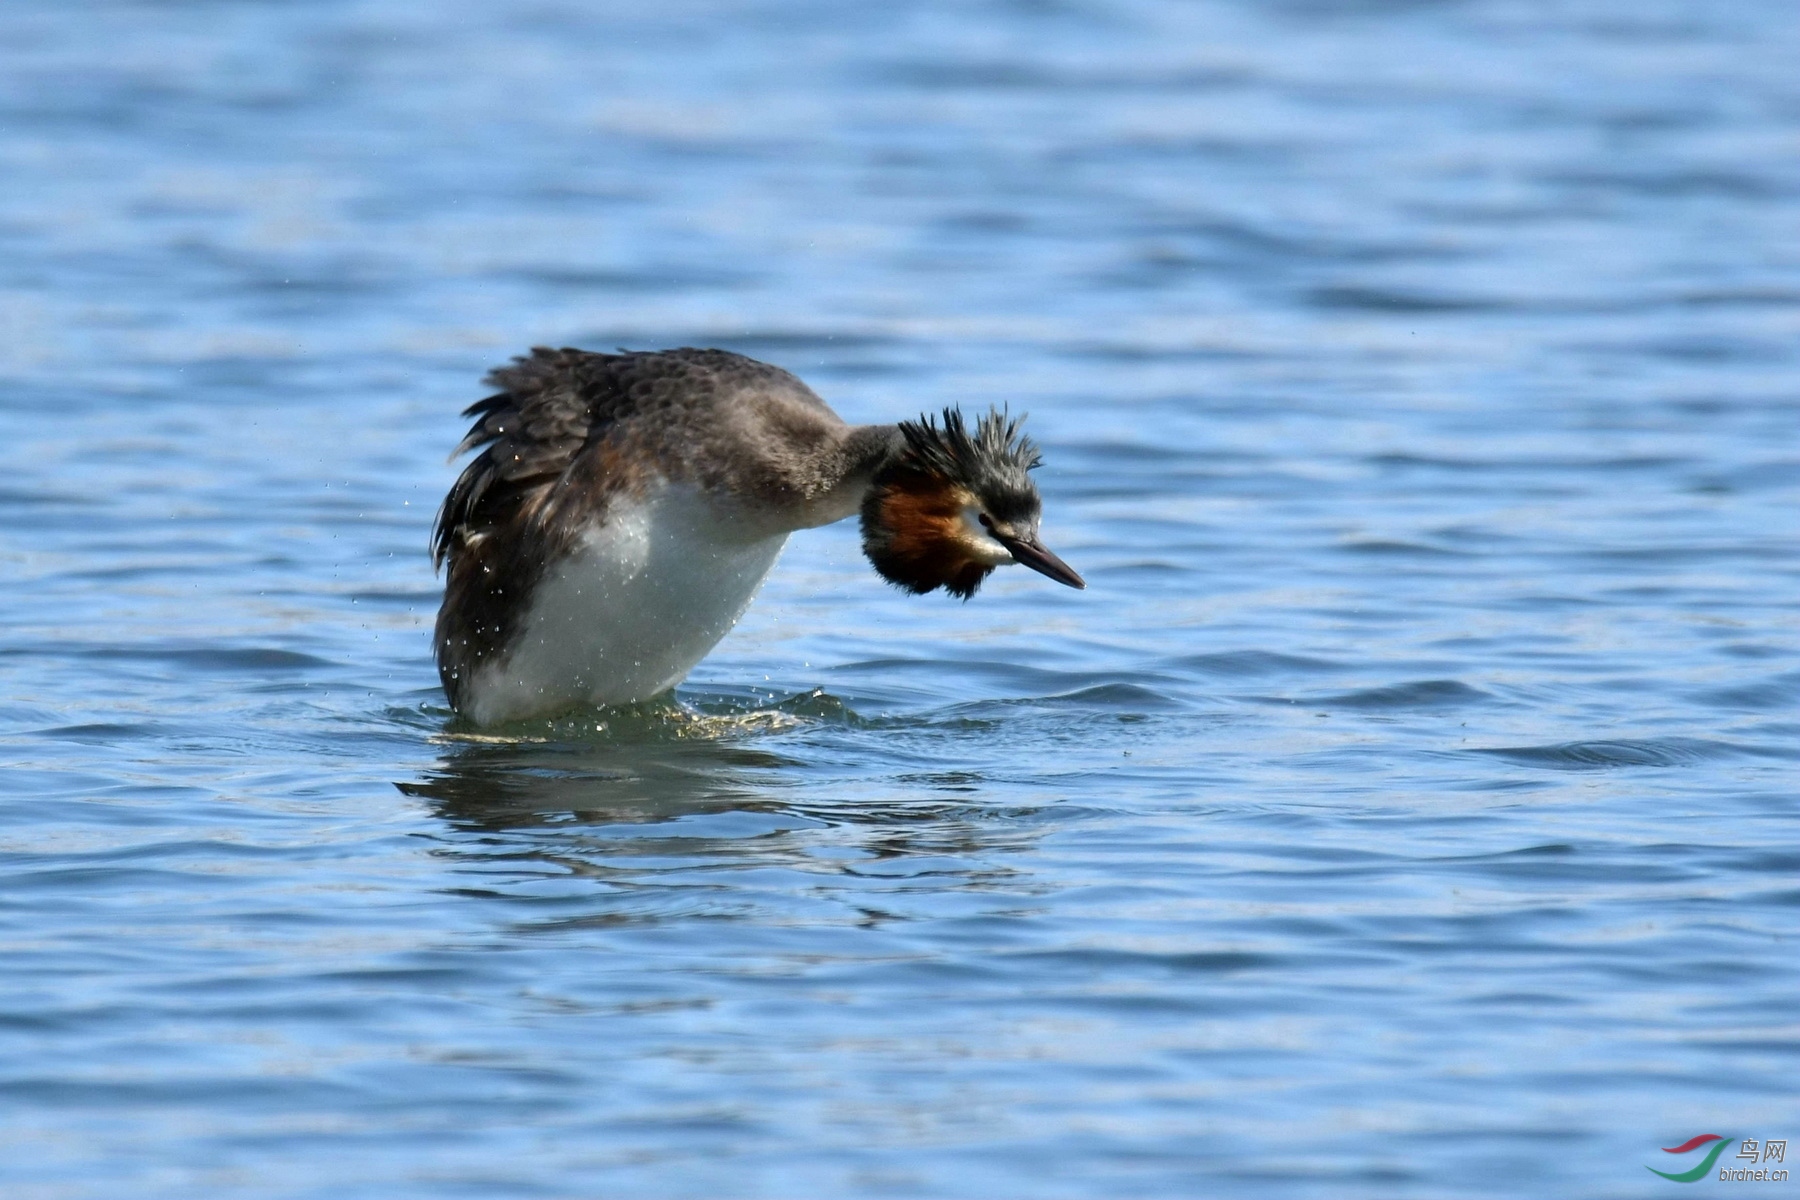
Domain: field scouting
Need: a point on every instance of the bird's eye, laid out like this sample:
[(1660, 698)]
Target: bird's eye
[(987, 522)]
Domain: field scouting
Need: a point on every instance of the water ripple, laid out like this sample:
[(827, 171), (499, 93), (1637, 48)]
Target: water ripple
[(1405, 810)]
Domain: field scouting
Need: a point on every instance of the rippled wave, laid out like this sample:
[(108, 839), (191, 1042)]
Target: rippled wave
[(1406, 809)]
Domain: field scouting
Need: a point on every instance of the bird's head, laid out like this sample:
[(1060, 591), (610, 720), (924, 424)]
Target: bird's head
[(954, 504)]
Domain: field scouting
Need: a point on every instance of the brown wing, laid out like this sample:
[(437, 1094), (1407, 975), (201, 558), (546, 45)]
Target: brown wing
[(533, 430), (544, 439), (731, 422)]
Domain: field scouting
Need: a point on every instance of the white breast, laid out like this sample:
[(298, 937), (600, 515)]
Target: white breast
[(625, 617)]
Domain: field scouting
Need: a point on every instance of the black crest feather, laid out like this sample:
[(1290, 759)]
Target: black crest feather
[(996, 447)]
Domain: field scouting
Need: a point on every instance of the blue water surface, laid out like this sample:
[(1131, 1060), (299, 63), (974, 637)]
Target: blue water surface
[(1407, 808)]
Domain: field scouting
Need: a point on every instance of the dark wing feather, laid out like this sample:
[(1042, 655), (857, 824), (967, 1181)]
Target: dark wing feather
[(533, 431), (495, 528)]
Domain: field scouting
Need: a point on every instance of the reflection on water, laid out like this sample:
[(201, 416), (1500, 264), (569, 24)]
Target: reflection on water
[(649, 763), (665, 801)]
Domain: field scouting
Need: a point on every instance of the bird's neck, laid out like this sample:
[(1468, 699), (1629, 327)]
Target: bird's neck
[(848, 469), (870, 448)]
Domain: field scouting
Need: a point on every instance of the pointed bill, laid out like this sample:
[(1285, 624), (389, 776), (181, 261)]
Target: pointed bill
[(1031, 553)]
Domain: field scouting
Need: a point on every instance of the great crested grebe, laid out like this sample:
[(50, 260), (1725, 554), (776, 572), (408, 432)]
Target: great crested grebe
[(627, 506)]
